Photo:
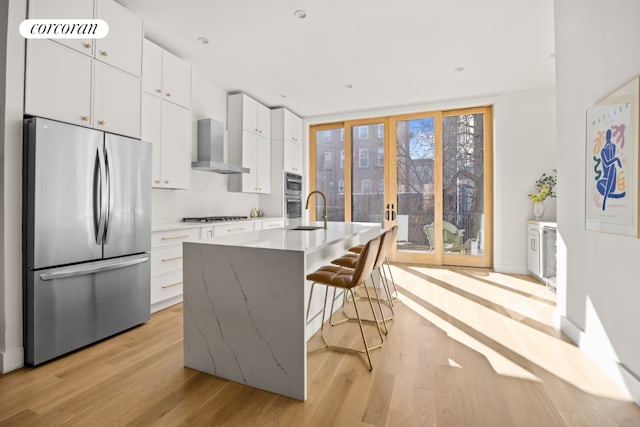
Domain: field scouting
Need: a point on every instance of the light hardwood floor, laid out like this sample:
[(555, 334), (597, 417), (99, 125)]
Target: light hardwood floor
[(467, 347)]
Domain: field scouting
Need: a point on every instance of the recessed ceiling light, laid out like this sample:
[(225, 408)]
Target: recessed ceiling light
[(300, 14), (203, 40), (282, 95), (459, 69), (348, 86)]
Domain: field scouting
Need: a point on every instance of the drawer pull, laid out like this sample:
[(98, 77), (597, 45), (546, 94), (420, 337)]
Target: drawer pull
[(235, 229), (184, 236), (172, 284), (171, 259)]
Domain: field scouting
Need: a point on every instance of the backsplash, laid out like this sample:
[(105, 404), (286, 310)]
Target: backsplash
[(208, 196)]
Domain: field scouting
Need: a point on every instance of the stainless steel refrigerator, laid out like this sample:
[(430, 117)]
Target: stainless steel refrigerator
[(86, 236)]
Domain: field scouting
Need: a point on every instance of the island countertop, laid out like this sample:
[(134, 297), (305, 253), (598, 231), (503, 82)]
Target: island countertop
[(288, 239), (245, 302)]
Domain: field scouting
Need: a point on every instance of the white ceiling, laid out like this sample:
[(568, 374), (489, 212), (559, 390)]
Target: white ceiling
[(394, 53)]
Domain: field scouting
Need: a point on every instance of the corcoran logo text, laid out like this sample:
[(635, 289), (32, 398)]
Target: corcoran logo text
[(64, 28)]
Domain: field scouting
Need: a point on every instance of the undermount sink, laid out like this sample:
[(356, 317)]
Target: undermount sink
[(307, 227)]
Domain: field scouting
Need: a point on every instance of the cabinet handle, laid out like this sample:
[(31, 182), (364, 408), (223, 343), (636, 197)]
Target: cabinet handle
[(157, 181), (158, 90), (87, 45), (172, 284), (166, 181), (229, 230), (171, 259), (85, 118), (102, 122), (183, 236), (168, 94), (103, 53), (210, 233)]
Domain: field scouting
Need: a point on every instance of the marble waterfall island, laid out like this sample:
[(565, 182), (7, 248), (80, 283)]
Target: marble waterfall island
[(245, 297)]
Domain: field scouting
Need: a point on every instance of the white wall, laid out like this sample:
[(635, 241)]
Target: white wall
[(524, 130), (208, 194), (11, 105), (597, 46), (525, 147)]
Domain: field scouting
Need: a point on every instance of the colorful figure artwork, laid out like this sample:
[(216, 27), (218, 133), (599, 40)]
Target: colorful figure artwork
[(612, 163), (608, 183)]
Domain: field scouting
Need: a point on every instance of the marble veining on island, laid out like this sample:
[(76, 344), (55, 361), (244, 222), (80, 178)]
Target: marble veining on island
[(244, 302)]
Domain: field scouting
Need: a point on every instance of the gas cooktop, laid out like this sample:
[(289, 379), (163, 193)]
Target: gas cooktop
[(214, 219)]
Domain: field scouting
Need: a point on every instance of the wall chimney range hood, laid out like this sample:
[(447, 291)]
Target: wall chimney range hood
[(211, 149)]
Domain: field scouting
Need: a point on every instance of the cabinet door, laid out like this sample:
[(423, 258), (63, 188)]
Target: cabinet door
[(176, 146), (58, 83), (263, 120), (249, 160), (122, 47), (533, 250), (65, 9), (263, 164), (176, 80), (292, 157), (152, 68), (116, 101), (150, 132), (249, 114), (296, 129)]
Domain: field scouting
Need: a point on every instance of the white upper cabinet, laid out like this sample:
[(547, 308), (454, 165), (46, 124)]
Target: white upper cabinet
[(286, 128), (122, 47), (62, 92), (292, 157), (94, 83), (151, 68), (256, 118), (65, 9), (249, 144), (176, 80), (165, 75), (168, 128), (116, 101), (286, 125)]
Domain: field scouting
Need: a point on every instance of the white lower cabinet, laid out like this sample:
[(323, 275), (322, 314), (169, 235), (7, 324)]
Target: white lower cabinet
[(233, 228), (166, 265), (271, 223)]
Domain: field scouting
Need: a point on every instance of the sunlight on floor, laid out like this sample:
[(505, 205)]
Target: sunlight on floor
[(506, 318)]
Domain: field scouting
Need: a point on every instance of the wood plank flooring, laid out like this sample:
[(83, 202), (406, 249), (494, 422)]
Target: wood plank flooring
[(467, 347)]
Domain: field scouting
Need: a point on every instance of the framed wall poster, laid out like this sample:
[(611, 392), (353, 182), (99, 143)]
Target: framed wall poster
[(612, 162)]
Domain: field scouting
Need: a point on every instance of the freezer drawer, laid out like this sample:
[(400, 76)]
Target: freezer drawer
[(70, 307)]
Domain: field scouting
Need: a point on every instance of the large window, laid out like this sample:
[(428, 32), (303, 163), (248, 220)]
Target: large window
[(428, 173)]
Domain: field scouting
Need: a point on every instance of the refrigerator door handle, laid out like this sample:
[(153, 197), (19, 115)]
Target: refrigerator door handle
[(99, 205), (108, 195), (93, 267)]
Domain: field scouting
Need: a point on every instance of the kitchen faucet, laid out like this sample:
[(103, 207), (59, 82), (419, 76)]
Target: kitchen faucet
[(324, 212)]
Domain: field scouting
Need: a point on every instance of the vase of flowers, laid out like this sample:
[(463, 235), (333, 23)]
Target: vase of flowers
[(545, 188)]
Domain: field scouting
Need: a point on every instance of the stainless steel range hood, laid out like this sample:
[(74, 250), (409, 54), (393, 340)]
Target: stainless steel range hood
[(211, 149)]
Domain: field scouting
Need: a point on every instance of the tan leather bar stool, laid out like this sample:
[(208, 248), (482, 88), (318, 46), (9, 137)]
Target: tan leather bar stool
[(394, 235), (350, 260), (348, 279)]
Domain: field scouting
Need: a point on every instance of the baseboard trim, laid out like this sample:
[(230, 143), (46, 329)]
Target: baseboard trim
[(11, 360), (571, 330), (632, 381), (510, 269), (161, 305)]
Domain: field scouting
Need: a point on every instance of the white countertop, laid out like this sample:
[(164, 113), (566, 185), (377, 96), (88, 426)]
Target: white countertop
[(183, 225), (292, 240)]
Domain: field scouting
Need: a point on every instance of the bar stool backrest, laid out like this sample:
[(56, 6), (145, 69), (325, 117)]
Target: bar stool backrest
[(365, 262), (386, 241)]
